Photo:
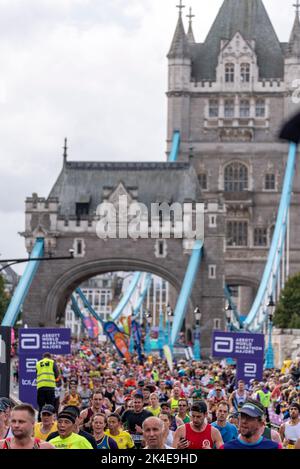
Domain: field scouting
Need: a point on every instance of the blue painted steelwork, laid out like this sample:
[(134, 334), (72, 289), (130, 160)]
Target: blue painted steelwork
[(119, 309), (76, 310), (257, 315), (269, 364), (237, 315), (142, 296), (186, 290), (175, 147), (22, 289), (197, 344), (88, 305), (147, 340), (161, 333)]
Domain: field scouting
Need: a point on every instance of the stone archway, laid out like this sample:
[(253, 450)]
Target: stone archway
[(70, 280)]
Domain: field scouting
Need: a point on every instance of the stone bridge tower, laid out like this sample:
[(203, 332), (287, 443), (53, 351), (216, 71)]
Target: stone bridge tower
[(68, 218)]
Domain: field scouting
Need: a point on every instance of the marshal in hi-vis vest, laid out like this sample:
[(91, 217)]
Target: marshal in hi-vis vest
[(45, 373)]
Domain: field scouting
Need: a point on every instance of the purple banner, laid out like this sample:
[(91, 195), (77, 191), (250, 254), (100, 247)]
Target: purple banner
[(56, 341), (248, 369), (238, 345), (27, 378), (33, 343)]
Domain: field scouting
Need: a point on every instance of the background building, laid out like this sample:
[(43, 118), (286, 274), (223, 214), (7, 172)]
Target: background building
[(229, 96)]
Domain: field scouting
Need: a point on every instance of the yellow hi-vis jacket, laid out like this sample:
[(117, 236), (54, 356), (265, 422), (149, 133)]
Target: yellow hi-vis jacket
[(45, 373)]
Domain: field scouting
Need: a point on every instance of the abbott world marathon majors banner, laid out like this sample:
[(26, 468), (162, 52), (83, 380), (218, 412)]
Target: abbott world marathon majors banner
[(33, 343), (247, 349)]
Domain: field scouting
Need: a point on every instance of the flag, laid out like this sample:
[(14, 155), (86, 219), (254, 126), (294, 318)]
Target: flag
[(136, 331), (168, 356), (117, 338)]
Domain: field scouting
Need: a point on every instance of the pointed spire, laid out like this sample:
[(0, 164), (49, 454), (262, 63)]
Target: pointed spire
[(180, 7), (179, 47), (294, 42), (190, 34), (65, 151), (297, 6)]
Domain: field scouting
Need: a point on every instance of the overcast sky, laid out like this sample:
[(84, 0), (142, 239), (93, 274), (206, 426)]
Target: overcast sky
[(94, 71)]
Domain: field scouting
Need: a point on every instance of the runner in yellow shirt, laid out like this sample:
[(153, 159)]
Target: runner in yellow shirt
[(48, 423), (154, 408), (115, 431), (67, 439)]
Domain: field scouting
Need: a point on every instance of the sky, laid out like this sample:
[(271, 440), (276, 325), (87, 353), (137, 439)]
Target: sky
[(94, 71)]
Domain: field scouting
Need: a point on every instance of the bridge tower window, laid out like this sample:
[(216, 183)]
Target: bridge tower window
[(229, 73), (237, 233), (245, 73), (236, 177)]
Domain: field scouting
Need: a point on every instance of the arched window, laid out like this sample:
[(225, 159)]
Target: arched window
[(236, 177), (245, 73), (229, 73)]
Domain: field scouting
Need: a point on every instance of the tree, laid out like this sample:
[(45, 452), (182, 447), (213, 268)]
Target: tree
[(287, 314), (4, 300)]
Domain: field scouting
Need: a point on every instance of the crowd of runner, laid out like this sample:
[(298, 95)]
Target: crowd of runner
[(102, 402)]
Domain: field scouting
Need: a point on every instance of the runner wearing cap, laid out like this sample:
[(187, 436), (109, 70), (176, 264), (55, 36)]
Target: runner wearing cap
[(8, 405), (198, 434), (251, 427), (5, 430), (47, 425)]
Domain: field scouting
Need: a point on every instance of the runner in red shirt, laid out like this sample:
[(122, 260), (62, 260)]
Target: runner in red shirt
[(198, 434)]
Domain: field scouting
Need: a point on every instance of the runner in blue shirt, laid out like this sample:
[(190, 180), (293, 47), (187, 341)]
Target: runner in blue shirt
[(228, 430)]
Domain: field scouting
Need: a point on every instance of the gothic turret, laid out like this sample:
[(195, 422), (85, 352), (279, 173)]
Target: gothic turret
[(180, 66), (294, 42), (179, 48)]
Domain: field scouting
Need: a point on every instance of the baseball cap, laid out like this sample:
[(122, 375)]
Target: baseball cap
[(7, 402), (48, 408), (2, 407), (67, 415), (252, 409)]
